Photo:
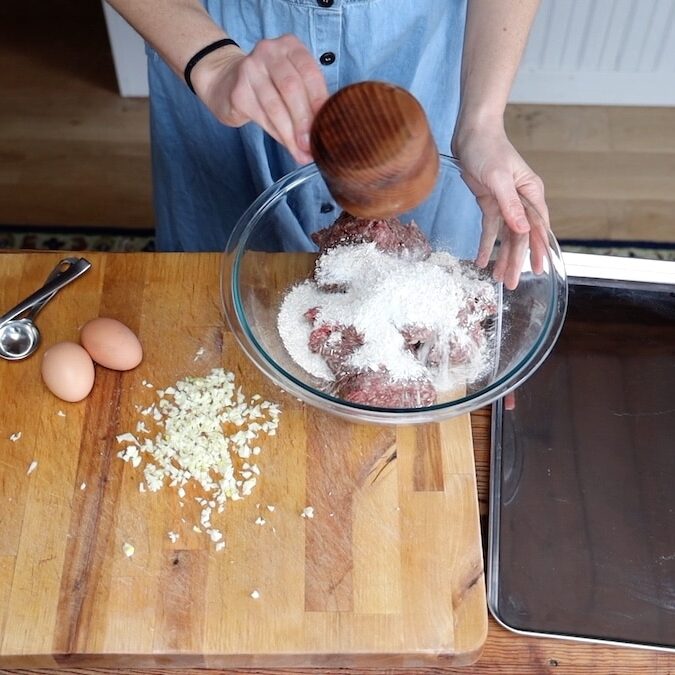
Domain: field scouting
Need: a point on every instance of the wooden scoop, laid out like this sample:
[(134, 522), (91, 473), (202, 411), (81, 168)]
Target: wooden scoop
[(373, 146)]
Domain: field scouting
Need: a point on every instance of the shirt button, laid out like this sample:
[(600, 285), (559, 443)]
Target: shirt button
[(327, 207), (327, 58), (324, 3)]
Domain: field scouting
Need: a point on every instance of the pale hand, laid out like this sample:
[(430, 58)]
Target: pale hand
[(508, 193), (278, 85)]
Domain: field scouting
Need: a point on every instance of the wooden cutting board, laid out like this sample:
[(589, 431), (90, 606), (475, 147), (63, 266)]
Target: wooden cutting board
[(389, 571)]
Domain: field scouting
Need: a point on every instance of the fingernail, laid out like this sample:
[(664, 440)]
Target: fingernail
[(510, 401), (522, 224), (511, 283)]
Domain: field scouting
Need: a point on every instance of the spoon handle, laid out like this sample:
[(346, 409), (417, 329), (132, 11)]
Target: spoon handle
[(56, 281), (61, 267)]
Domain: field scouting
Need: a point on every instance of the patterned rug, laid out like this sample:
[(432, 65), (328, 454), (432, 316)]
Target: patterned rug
[(625, 249), (120, 240), (75, 239)]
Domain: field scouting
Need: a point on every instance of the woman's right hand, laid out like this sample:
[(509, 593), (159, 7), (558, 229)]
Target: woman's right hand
[(278, 85)]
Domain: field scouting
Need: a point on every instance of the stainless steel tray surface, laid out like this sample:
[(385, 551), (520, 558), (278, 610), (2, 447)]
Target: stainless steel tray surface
[(582, 517)]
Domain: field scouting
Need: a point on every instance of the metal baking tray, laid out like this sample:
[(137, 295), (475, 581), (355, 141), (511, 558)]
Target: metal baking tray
[(581, 540)]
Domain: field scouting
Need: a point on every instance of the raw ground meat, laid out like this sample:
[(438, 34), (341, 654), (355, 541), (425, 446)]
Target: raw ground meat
[(336, 343), (389, 235), (377, 388), (476, 307), (424, 343)]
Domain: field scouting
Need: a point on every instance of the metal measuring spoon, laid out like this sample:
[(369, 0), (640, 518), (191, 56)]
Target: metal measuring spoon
[(19, 337)]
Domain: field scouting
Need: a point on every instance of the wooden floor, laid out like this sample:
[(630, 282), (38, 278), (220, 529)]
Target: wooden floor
[(72, 152)]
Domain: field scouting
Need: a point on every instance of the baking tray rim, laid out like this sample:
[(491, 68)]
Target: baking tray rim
[(583, 269)]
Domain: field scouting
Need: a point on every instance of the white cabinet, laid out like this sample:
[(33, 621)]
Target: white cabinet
[(128, 50)]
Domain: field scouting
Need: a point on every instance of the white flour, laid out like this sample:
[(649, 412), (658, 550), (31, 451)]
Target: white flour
[(381, 294)]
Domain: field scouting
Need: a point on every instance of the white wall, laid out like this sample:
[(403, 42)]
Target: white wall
[(604, 52), (128, 52)]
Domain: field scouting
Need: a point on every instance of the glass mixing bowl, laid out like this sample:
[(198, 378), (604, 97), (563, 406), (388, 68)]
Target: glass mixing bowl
[(270, 250)]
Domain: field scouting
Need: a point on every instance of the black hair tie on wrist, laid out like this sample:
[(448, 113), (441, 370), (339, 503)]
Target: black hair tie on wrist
[(200, 55)]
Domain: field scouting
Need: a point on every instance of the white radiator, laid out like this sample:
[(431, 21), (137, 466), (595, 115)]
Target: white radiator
[(605, 52)]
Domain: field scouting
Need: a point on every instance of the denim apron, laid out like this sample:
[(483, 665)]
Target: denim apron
[(205, 174)]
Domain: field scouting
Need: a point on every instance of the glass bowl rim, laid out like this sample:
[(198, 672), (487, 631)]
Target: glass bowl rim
[(232, 304)]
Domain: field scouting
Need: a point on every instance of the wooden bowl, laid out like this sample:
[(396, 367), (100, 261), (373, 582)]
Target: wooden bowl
[(372, 144)]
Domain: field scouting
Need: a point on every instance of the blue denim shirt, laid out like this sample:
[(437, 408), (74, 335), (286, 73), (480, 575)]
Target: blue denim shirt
[(206, 174)]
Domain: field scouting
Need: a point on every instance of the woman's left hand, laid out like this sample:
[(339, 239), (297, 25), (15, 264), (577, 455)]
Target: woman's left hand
[(508, 192)]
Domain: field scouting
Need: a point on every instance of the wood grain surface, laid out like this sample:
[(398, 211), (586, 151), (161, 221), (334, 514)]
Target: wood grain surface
[(374, 148), (389, 572), (504, 652)]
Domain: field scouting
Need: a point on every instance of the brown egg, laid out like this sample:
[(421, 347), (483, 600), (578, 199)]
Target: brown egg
[(111, 343), (68, 371)]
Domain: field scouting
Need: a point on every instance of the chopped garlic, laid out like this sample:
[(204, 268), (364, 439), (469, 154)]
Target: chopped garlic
[(32, 467), (15, 437), (205, 517), (60, 413), (220, 546), (255, 595), (307, 512), (173, 536), (216, 535), (248, 486), (270, 507), (126, 438), (83, 486), (260, 520), (193, 446), (199, 354), (128, 549)]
